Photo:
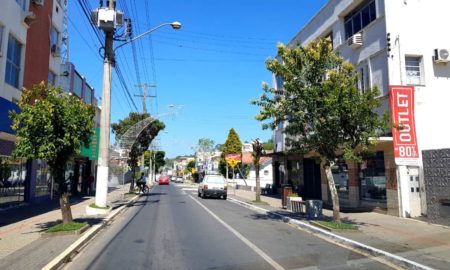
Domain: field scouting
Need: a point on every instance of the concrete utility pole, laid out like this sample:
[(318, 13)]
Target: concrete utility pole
[(145, 95), (105, 120)]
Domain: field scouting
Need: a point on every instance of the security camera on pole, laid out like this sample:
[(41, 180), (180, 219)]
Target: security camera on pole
[(107, 19)]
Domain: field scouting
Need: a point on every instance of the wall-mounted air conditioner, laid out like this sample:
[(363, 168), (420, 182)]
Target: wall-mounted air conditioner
[(38, 2), (441, 55), (355, 41), (55, 50)]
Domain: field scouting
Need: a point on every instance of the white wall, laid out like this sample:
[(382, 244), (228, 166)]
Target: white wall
[(424, 29), (11, 19)]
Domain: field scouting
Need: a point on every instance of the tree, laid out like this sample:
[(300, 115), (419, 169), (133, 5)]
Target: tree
[(232, 145), (205, 145), (268, 146), (160, 159), (258, 151), (324, 110), (190, 166), (143, 140), (52, 126)]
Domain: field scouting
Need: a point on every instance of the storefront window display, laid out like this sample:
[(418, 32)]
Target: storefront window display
[(43, 179), (373, 178), (340, 176), (12, 179)]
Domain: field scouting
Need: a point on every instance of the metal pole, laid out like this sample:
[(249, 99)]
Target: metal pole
[(105, 120)]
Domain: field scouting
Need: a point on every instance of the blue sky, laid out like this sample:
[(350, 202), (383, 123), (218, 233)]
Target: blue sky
[(209, 69)]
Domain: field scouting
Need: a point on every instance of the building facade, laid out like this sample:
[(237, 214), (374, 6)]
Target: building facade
[(391, 43), (30, 52)]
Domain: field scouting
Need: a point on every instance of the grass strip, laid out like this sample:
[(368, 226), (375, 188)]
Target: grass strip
[(73, 226), (336, 226), (93, 205), (259, 202)]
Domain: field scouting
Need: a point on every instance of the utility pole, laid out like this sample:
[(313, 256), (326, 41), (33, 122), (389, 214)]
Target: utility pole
[(107, 23), (145, 95)]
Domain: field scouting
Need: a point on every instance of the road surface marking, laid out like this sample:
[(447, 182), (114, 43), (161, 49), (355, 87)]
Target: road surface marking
[(261, 253)]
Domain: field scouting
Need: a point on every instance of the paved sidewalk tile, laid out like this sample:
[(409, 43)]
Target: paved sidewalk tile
[(19, 234)]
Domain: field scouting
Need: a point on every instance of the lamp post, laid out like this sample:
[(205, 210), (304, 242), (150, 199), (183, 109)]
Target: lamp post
[(107, 18)]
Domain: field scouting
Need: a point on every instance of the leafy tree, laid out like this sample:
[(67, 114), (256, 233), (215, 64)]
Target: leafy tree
[(324, 110), (190, 165), (268, 146), (143, 140), (205, 145), (160, 159), (5, 169), (232, 145), (52, 126)]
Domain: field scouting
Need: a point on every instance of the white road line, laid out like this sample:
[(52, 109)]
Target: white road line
[(242, 238)]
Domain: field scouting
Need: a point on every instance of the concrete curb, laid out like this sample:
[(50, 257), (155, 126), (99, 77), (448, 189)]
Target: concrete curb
[(67, 254), (397, 260)]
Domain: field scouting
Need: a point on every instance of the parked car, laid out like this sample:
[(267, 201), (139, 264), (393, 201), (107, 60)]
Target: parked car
[(213, 186), (173, 178), (164, 180), (179, 179)]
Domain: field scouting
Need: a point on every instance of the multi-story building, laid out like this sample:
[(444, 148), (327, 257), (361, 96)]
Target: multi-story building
[(30, 42), (391, 43)]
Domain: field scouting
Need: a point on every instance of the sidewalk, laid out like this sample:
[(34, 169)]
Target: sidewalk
[(422, 242), (21, 244)]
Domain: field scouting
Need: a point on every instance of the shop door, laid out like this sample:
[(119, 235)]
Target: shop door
[(313, 188), (414, 189)]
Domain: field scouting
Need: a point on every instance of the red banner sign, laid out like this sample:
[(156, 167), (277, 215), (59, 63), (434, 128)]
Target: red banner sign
[(406, 151)]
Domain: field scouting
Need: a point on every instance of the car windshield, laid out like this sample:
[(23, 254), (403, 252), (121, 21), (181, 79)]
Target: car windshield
[(215, 179)]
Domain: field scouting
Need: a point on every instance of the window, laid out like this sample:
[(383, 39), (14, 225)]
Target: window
[(414, 74), (13, 62), (22, 4), (51, 78), (54, 36), (360, 18), (373, 178), (88, 95), (77, 85), (340, 175), (363, 78)]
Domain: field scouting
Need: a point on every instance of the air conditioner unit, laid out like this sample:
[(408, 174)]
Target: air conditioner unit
[(28, 18), (355, 41), (38, 2), (55, 50), (441, 55)]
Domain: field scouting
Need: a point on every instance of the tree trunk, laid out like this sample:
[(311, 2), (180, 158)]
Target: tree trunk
[(258, 185), (133, 175), (333, 192), (65, 208)]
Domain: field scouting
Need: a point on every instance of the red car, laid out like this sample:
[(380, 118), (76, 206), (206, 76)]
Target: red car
[(164, 180)]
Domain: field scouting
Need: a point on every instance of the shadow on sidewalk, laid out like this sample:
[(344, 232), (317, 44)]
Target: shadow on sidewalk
[(26, 211)]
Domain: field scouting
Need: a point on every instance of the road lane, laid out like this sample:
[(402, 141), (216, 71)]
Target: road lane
[(169, 230), (166, 230)]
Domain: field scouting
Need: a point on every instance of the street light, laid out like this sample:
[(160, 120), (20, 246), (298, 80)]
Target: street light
[(175, 25), (107, 18)]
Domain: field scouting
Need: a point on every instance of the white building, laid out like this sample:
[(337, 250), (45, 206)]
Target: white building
[(391, 42)]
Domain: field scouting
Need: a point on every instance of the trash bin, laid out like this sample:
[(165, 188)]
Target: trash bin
[(314, 208), (286, 191)]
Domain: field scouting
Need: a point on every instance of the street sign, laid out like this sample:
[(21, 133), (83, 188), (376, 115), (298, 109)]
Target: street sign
[(406, 151), (92, 151)]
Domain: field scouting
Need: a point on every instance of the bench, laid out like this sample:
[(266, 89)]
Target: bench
[(267, 189)]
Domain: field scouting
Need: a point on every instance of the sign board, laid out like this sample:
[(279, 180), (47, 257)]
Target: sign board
[(94, 142), (406, 151)]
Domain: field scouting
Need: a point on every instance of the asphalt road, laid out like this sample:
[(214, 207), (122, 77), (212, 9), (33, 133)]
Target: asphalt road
[(173, 229)]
